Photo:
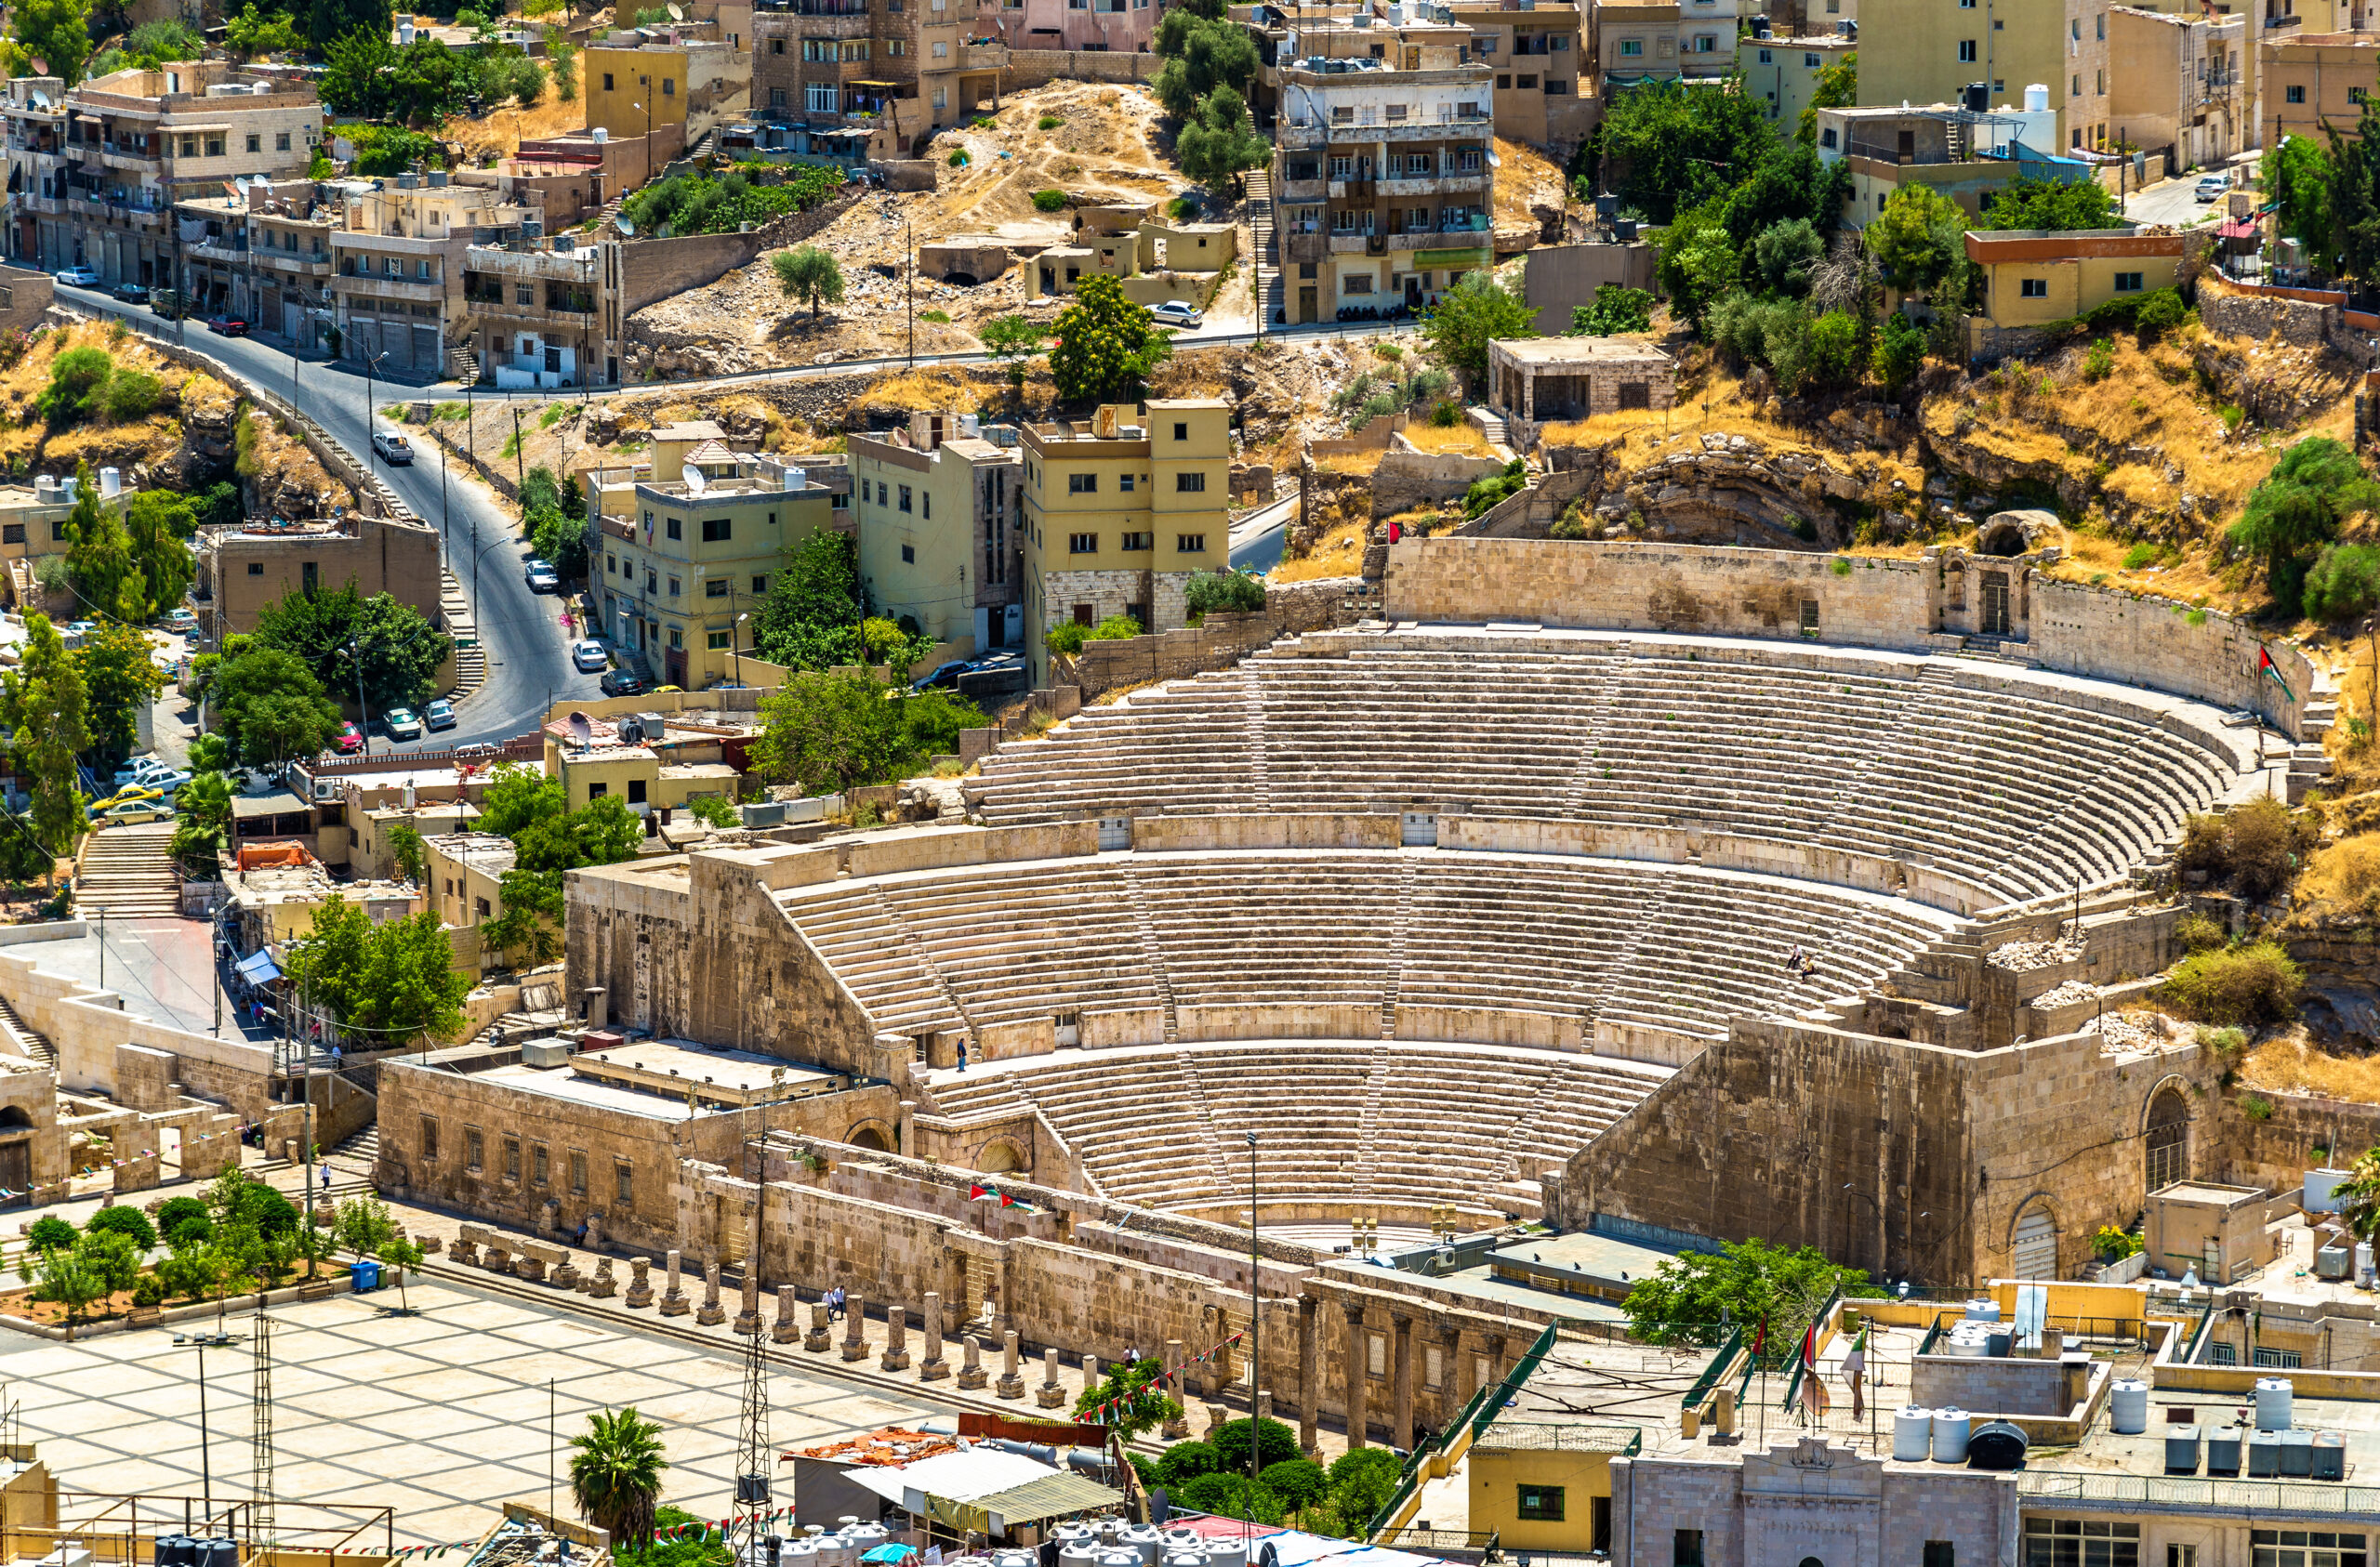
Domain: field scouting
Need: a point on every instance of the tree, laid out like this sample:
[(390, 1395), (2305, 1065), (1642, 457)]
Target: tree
[(156, 524), (831, 732), (1617, 310), (45, 698), (516, 796), (55, 33), (1014, 341), (1910, 241), (1786, 182), (2315, 486), (77, 388), (2297, 177), (99, 556), (1126, 1400), (1276, 1444), (1666, 147), (1783, 254), (329, 21), (363, 1226), (251, 34), (403, 1257), (2355, 192), (2065, 205), (1900, 349), (809, 272), (271, 707), (2358, 1197), (1837, 88), (1107, 345), (121, 680), (356, 79), (1200, 54), (63, 1277), (1681, 1301), (346, 639), (2343, 584), (405, 848), (50, 1232), (1833, 345), (1217, 143), (393, 982), (1222, 590), (1469, 316), (615, 1474), (1698, 263)]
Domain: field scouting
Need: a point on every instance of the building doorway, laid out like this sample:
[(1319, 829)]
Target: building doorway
[(1995, 603), (2168, 1140), (2036, 1248)]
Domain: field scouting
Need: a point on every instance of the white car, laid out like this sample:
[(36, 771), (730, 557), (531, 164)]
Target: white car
[(2211, 187), (588, 656), (78, 277), (403, 723), (1176, 312), (394, 449), (542, 577)]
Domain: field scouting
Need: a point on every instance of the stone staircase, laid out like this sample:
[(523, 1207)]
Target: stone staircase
[(470, 663), (1492, 426), (127, 871), (463, 364), (362, 1146), (1260, 223), (32, 1045)]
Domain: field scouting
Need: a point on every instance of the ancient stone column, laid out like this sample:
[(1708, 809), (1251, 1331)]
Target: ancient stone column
[(1010, 1385), (595, 1232), (1309, 1391), (1050, 1395), (970, 1372), (1359, 1373), (673, 1299), (640, 1286), (896, 1340), (566, 1274), (1264, 1404), (712, 1311), (1402, 1383), (748, 1319), (603, 1287), (1177, 1388), (822, 1335), (787, 1330), (1091, 1374), (933, 1368), (855, 1329)]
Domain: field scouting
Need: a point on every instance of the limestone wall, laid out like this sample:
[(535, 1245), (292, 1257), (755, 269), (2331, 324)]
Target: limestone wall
[(1166, 834), (2081, 630), (1223, 639)]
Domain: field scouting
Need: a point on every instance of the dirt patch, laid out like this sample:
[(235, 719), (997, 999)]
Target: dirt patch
[(500, 133)]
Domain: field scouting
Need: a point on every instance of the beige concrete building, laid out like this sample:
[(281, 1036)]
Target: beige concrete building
[(542, 311), (1961, 157), (2031, 278), (877, 71), (1540, 379), (2311, 84), (398, 261), (1783, 72), (941, 512), (1119, 511), (1637, 44), (1543, 66), (465, 873), (33, 526), (241, 570), (682, 562), (2181, 83), (263, 256), (1929, 51)]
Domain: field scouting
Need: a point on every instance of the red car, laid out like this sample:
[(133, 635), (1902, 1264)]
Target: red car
[(227, 327), (350, 739)]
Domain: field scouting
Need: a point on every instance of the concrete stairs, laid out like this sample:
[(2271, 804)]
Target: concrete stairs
[(32, 1046), (1398, 925), (1363, 1179), (362, 1147), (1492, 426), (1260, 223), (470, 663), (126, 871), (463, 364)]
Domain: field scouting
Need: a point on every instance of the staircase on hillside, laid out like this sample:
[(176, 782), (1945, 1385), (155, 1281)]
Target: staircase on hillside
[(470, 663), (462, 364), (127, 871), (1492, 426), (32, 1046), (1259, 222)]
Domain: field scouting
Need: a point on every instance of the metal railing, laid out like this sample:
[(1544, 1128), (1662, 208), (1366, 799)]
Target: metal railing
[(1717, 1369), (119, 1527), (2240, 1497), (1477, 1416)]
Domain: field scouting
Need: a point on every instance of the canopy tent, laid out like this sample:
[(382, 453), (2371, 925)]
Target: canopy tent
[(259, 968)]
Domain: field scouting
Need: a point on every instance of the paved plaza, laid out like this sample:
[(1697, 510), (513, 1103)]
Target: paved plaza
[(442, 1416)]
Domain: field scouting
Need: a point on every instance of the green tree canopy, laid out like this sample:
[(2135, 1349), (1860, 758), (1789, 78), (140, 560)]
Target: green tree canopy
[(56, 33), (830, 733), (815, 604), (2026, 202), (1130, 1403), (268, 703), (2297, 177), (1616, 308), (1912, 240), (809, 272), (2355, 191), (1837, 88), (1698, 262), (252, 32), (1469, 316), (2316, 485), (1013, 340), (48, 711), (615, 1474), (1666, 146), (1200, 54), (1694, 1297), (1107, 345), (120, 680), (327, 21), (333, 629), (1217, 142), (394, 983)]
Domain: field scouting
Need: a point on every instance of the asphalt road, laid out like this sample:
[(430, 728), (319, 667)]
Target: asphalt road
[(529, 665)]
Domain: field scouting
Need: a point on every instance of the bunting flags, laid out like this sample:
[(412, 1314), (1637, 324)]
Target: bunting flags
[(979, 1192), (1103, 1415)]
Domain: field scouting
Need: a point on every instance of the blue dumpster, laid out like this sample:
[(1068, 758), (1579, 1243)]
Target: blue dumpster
[(366, 1275)]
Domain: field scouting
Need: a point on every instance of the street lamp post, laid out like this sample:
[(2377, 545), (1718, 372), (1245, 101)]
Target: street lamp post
[(735, 644), (203, 1342)]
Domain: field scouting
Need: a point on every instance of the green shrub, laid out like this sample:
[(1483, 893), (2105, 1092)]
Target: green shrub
[(2141, 555), (1300, 1483), (191, 1230), (77, 379), (50, 1232), (984, 123), (1222, 590), (149, 1291), (2344, 583), (940, 318), (1276, 1444), (130, 395), (1049, 201), (1572, 524), (127, 1221), (2253, 848), (2255, 1107), (1069, 638), (2233, 417), (1048, 121), (173, 1210), (959, 158), (2099, 363), (1446, 415), (2197, 932), (1187, 1460), (2253, 983), (2161, 311), (1489, 492), (2112, 1245)]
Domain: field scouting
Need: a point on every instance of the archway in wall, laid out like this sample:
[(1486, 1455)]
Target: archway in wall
[(13, 1118), (2035, 1245), (2004, 539), (869, 1139), (2167, 1139), (1000, 1158)]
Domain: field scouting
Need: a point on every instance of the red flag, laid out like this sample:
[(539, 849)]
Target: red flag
[(1760, 1338), (1006, 1201), (1396, 530), (975, 1192)]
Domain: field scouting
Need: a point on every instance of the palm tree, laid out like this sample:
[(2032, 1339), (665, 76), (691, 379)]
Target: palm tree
[(2358, 1197), (615, 1474)]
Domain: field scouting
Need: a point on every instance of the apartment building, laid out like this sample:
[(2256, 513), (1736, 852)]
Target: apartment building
[(33, 526), (1637, 44), (1782, 73), (2029, 278), (1932, 51), (1091, 26), (540, 310), (1961, 156), (2309, 83), (1544, 82), (687, 546), (1119, 511), (1706, 38), (940, 508), (262, 254), (641, 79), (241, 570), (93, 173), (1383, 182), (909, 67), (2180, 83), (397, 257)]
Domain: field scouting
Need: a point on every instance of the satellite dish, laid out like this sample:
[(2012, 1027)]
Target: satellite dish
[(694, 478), (676, 14), (627, 229), (1493, 161)]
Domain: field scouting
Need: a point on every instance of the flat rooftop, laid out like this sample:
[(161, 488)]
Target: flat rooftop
[(729, 1077), (1539, 351)]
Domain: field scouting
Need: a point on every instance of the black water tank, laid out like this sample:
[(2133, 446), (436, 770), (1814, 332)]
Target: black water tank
[(1978, 96), (176, 1550), (1996, 1445)]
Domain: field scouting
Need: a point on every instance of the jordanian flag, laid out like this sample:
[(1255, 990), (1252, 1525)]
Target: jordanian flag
[(979, 1192), (2264, 663)]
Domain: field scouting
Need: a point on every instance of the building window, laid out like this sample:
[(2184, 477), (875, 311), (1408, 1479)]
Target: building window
[(280, 144), (673, 588), (428, 1138), (474, 1149), (1632, 48), (2303, 1547), (623, 1183), (256, 568), (1125, 484), (760, 584), (537, 1163), (677, 637), (596, 791), (256, 142), (635, 791), (1190, 543), (718, 641), (718, 530), (1764, 57), (1189, 483), (717, 587), (1685, 1548), (2279, 1359), (2222, 1354), (578, 1173), (607, 81), (512, 1159), (1543, 1502), (1137, 540), (909, 555), (214, 146), (1082, 544), (2354, 95), (677, 528), (2127, 283), (904, 499), (1966, 51), (2033, 288), (2074, 1542), (1076, 484), (2295, 93), (1940, 1553)]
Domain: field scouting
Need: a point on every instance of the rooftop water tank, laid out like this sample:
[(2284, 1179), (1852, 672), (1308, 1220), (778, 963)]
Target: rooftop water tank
[(2222, 1450), (1079, 1553), (66, 487), (1950, 1436), (2329, 1455), (1912, 1434), (111, 483), (2037, 99), (2296, 1454), (2181, 1449), (1997, 1444), (2275, 1399), (2128, 1406), (600, 134), (1228, 1552), (1145, 1540), (2263, 1456)]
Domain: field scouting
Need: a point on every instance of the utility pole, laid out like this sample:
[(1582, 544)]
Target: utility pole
[(1255, 1350), (519, 473), (261, 1523)]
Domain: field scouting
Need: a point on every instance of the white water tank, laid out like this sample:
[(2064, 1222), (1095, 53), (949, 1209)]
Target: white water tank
[(600, 134), (1145, 1540), (1230, 1551), (1119, 1557), (404, 34), (2037, 99), (111, 483), (1178, 1558), (835, 1551), (2128, 1406), (1912, 1434), (865, 1537), (1014, 1559), (66, 488), (1179, 1538), (1079, 1553), (2275, 1401), (796, 1553), (1950, 1436)]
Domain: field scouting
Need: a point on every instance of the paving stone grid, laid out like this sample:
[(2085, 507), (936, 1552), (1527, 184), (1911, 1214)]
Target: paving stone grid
[(441, 1416)]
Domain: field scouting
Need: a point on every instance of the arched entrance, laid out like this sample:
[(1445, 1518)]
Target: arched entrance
[(1000, 1158), (869, 1139), (2168, 1138), (2035, 1245)]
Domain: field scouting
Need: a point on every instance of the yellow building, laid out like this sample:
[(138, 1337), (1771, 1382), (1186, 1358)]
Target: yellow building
[(940, 507), (686, 561), (1783, 72), (1119, 511), (1546, 1487), (466, 876), (2315, 82), (2032, 277), (1931, 51), (635, 87)]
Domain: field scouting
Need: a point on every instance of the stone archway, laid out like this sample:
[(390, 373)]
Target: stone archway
[(2032, 1240), (2166, 1137), (869, 1138), (1000, 1158)]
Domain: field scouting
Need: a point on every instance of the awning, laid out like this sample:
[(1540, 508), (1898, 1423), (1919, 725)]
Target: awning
[(259, 968), (1055, 1496), (2236, 228)]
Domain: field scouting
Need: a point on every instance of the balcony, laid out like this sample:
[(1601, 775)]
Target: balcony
[(372, 285), (1304, 247), (1436, 185), (1358, 136), (1305, 189)]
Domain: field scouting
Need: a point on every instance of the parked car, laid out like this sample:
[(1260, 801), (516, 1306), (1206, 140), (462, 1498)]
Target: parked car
[(392, 448), (130, 293), (1177, 312), (403, 723), (943, 674), (76, 277), (126, 796), (139, 769), (588, 655), (542, 577), (165, 782), (135, 811), (182, 623), (2211, 187), (439, 713), (350, 739), (227, 326), (621, 683)]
